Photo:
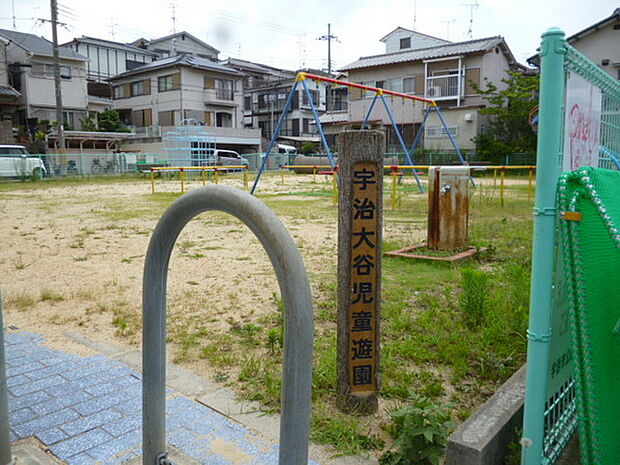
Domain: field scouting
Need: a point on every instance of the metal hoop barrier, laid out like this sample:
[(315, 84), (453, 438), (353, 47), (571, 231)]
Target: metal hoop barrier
[(298, 317)]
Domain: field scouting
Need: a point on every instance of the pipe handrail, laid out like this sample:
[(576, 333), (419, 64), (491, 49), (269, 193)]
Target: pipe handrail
[(298, 317)]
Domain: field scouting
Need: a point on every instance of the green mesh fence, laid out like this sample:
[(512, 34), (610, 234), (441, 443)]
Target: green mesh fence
[(591, 257), (570, 378)]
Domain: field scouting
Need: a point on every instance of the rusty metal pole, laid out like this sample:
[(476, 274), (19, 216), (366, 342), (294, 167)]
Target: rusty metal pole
[(530, 190), (182, 174), (152, 180)]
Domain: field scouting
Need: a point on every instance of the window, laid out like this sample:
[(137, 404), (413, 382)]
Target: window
[(166, 118), (224, 89), (315, 98), (380, 84), (306, 126), (48, 70), (247, 103), (223, 120), (141, 88), (395, 84), (119, 92), (169, 82), (440, 132), (405, 43), (408, 85)]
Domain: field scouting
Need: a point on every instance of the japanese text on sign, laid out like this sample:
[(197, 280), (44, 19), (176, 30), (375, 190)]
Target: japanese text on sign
[(363, 305)]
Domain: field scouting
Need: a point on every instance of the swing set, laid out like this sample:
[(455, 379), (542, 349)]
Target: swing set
[(379, 94)]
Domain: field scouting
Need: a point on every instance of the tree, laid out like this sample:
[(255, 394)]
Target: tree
[(109, 121), (508, 130), (89, 124)]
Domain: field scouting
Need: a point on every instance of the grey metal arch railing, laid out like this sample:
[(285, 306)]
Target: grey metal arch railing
[(298, 317)]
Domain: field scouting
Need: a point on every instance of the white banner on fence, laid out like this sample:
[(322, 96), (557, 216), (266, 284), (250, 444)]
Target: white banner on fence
[(582, 124)]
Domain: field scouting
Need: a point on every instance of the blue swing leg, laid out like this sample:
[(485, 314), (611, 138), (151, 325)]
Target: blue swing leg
[(275, 135), (401, 141), (318, 125)]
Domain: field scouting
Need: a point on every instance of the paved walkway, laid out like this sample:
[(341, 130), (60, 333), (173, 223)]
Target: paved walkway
[(87, 410)]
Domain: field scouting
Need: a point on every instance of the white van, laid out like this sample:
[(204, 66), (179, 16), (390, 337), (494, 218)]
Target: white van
[(288, 149), (15, 163), (229, 157)]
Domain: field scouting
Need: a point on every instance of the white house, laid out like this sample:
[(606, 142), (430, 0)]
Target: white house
[(431, 68), (157, 96), (175, 44), (107, 58), (31, 70), (600, 42)]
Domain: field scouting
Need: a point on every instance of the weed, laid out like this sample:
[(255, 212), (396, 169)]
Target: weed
[(420, 430), (48, 295), (21, 302), (473, 296), (342, 431), (247, 333), (275, 340)]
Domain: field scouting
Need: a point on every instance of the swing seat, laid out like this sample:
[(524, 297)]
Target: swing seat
[(326, 172)]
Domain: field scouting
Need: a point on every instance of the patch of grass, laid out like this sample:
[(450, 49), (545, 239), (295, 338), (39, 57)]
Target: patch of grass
[(20, 302), (473, 296), (342, 431), (125, 319), (48, 295)]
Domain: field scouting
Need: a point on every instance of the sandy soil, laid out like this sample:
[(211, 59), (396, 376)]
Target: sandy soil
[(71, 258)]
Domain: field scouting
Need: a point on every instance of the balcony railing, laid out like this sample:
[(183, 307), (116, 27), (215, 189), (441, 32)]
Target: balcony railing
[(224, 94), (444, 87)]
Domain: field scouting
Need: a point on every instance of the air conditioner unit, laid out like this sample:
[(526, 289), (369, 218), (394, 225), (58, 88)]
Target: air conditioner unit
[(434, 91)]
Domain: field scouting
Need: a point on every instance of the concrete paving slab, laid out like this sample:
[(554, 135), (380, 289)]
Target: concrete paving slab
[(87, 410), (30, 452)]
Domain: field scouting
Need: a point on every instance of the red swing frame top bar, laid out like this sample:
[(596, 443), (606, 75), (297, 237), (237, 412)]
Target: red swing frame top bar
[(379, 91)]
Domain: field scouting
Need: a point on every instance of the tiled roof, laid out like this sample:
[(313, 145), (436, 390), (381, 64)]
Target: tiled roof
[(458, 48), (110, 44), (186, 59), (38, 45), (8, 91), (332, 117)]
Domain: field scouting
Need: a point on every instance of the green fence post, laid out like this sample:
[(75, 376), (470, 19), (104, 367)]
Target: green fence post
[(552, 51)]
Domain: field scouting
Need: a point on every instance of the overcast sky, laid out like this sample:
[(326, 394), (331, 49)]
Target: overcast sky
[(284, 33)]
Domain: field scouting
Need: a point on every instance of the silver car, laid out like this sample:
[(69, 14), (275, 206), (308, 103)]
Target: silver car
[(15, 163)]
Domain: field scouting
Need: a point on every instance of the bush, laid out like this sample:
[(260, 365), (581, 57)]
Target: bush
[(420, 430)]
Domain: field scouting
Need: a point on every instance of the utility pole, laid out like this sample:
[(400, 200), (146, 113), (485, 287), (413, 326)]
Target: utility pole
[(59, 119), (329, 38)]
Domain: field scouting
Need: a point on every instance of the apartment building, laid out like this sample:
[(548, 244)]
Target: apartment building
[(264, 104), (421, 65), (157, 96), (31, 73)]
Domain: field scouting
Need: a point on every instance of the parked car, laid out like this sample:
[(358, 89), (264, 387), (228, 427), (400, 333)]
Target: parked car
[(229, 158), (15, 163)]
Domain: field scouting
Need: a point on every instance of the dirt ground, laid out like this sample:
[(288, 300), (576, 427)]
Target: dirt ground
[(71, 258)]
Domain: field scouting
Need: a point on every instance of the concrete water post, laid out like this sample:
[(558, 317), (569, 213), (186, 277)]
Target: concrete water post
[(448, 207)]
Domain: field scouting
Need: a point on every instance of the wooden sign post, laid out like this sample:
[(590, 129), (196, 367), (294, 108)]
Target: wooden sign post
[(359, 269)]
